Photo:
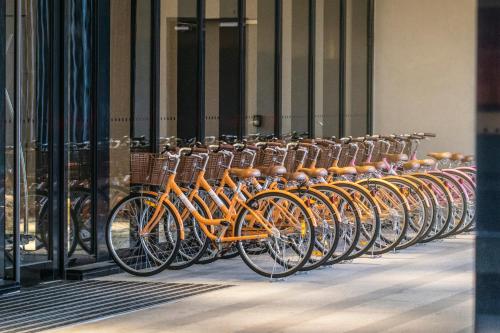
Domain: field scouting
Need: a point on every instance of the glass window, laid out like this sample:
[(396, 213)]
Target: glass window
[(178, 69), (327, 68), (260, 66), (356, 71), (222, 103), (295, 66), (78, 130), (8, 139)]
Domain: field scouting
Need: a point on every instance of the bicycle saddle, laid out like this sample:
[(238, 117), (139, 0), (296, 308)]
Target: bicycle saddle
[(244, 173), (342, 171), (440, 156)]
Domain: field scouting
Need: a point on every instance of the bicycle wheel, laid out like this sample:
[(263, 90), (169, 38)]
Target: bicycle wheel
[(470, 188), (195, 241), (369, 215), (433, 204), (444, 206), (394, 216), (350, 221), (216, 251), (419, 210), (291, 240), (326, 229), (459, 200), (142, 254)]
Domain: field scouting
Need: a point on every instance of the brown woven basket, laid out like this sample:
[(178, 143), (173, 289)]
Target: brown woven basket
[(150, 169), (217, 164), (189, 167)]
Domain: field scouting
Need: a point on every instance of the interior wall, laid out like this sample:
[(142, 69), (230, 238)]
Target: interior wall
[(424, 70)]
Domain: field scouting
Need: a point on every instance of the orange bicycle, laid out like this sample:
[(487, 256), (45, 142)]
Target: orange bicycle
[(145, 230)]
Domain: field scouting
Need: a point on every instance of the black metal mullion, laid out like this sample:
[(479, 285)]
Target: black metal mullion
[(200, 117), (311, 68), (100, 127), (155, 75), (133, 37), (2, 141), (342, 64), (242, 74), (278, 67), (371, 38), (17, 141), (56, 141)]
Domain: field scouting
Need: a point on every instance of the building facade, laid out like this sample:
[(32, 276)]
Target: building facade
[(87, 82)]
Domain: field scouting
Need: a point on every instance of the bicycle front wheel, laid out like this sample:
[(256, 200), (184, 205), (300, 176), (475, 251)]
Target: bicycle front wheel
[(290, 234), (136, 252)]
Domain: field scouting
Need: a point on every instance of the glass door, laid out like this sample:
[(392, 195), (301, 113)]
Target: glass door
[(28, 232)]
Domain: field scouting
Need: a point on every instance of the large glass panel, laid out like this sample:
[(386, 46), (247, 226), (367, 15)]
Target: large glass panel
[(7, 174), (260, 66), (295, 66), (33, 112), (141, 44), (34, 108), (130, 92), (356, 71), (222, 106), (327, 73), (178, 68), (78, 130)]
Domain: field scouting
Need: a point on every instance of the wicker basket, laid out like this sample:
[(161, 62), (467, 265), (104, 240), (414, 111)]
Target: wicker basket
[(217, 164), (150, 169), (189, 167)]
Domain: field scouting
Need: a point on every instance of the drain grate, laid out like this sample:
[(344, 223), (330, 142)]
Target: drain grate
[(66, 303)]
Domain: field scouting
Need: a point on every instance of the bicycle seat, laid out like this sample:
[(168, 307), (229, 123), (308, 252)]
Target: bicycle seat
[(440, 156), (244, 173), (272, 171), (411, 165), (457, 157), (377, 165), (395, 158), (362, 169), (469, 158), (296, 176), (342, 171), (426, 162), (314, 172)]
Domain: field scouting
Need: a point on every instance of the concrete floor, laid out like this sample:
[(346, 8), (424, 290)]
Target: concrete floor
[(427, 288)]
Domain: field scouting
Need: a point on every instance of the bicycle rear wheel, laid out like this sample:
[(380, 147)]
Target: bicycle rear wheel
[(327, 226), (289, 244), (394, 214), (195, 242), (137, 253)]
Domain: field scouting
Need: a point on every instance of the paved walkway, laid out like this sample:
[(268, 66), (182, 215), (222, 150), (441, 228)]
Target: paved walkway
[(427, 288)]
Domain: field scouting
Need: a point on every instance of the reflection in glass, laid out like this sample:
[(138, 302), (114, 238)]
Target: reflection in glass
[(178, 69), (327, 56), (260, 66), (33, 111), (295, 66), (356, 74), (78, 73), (222, 105)]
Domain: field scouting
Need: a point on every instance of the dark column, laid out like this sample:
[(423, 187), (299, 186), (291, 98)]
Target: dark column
[(2, 140), (488, 161), (100, 194)]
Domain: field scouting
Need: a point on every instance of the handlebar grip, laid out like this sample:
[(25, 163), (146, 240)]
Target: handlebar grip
[(430, 135)]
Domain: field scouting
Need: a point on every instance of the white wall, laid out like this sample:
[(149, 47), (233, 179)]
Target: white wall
[(424, 70)]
